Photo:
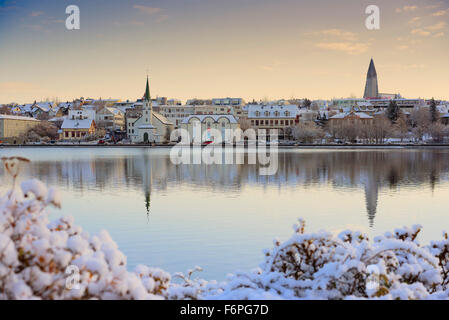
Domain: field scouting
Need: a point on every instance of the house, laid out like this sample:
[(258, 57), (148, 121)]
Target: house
[(146, 126), (13, 127), (200, 126), (82, 114), (112, 119), (77, 129), (350, 117)]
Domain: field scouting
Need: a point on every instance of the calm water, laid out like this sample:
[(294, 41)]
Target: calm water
[(222, 217)]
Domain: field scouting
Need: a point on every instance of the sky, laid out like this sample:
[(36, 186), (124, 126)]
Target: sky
[(254, 49)]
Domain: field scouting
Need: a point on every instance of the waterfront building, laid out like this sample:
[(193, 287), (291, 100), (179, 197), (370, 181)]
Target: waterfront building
[(201, 125), (280, 117), (77, 129), (146, 126), (13, 127)]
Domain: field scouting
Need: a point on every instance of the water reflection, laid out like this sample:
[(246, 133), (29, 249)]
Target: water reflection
[(148, 171)]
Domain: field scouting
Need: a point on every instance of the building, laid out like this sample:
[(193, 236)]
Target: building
[(112, 119), (372, 86), (273, 117), (236, 105), (350, 117), (13, 127), (346, 103), (146, 126), (77, 129), (176, 114), (201, 126), (405, 104), (82, 114)]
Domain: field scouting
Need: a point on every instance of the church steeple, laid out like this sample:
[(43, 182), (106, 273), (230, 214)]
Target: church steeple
[(147, 96)]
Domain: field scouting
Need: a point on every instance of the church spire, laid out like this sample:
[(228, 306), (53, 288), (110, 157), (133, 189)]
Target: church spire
[(372, 69), (371, 87), (147, 96)]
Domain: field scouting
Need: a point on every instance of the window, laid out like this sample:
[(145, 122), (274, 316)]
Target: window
[(257, 114), (287, 114), (257, 122), (66, 134)]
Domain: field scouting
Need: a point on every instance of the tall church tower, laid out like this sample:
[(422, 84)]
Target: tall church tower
[(371, 87), (147, 106)]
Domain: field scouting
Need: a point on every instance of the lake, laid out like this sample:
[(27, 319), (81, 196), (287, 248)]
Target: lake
[(221, 217)]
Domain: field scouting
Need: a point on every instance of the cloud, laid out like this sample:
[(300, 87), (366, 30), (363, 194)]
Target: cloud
[(352, 48), (441, 13), (416, 21), (345, 35), (406, 9), (402, 47), (146, 9), (431, 30), (421, 32), (152, 12), (438, 35), (36, 13), (438, 26)]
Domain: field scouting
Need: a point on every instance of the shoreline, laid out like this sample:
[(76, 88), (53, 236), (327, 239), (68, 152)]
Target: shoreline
[(303, 146)]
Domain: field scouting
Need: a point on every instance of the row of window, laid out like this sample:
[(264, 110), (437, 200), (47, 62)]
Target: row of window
[(272, 122), (75, 134), (276, 113)]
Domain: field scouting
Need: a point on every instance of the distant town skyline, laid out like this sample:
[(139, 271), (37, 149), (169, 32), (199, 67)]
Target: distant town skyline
[(211, 49)]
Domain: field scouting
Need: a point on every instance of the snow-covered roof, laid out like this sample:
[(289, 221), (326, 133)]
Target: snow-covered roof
[(8, 117), (343, 115), (161, 118), (215, 117), (77, 124), (269, 111)]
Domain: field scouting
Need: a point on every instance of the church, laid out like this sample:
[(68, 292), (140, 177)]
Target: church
[(148, 126)]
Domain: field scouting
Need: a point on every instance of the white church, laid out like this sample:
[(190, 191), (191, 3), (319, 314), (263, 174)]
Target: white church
[(150, 127)]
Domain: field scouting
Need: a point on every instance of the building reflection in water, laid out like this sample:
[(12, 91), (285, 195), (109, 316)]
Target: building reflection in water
[(147, 171)]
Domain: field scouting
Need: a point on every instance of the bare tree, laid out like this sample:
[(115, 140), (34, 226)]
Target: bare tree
[(438, 131), (307, 132), (420, 121), (400, 129), (43, 130), (5, 109)]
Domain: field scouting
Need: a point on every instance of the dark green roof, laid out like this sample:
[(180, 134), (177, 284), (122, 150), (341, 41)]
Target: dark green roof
[(147, 91)]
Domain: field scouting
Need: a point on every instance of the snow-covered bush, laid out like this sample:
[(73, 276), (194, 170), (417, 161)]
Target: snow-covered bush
[(347, 266), (40, 259)]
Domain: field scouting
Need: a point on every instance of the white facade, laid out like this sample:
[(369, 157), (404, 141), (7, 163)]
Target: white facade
[(201, 126)]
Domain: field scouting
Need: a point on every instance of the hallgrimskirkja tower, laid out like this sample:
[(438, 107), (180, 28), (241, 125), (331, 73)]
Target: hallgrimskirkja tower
[(371, 87)]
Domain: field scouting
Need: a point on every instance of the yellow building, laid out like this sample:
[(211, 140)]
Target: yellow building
[(13, 127), (77, 129)]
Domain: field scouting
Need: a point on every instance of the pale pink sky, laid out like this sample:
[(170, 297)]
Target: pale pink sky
[(238, 48)]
